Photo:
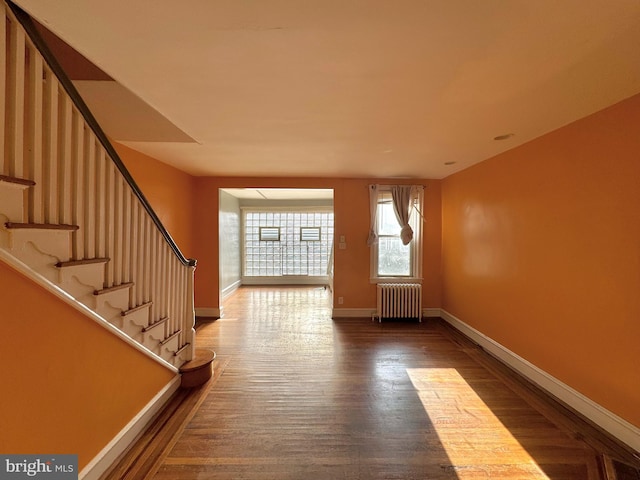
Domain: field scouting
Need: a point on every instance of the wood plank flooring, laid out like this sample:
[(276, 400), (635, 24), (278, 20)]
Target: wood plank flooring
[(305, 397)]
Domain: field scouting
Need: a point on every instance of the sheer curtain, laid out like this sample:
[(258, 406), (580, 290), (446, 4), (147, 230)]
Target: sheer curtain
[(373, 211), (402, 195)]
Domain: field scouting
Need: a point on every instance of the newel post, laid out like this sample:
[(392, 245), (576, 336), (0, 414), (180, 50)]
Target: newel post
[(190, 320)]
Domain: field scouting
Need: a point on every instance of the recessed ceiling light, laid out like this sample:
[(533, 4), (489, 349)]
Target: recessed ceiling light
[(503, 137), (449, 163)]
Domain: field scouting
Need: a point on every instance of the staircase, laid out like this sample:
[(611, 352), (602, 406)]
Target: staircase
[(47, 249), (70, 211)]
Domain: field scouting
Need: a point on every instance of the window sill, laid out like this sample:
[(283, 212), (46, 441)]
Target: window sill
[(377, 280)]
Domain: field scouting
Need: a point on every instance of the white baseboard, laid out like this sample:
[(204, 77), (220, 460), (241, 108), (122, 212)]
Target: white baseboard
[(227, 291), (286, 280), (208, 312), (129, 434), (370, 312), (353, 312), (608, 421)]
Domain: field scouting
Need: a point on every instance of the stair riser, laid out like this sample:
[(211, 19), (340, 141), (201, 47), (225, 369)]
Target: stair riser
[(13, 201), (81, 280), (133, 323), (153, 337), (111, 305), (4, 233), (29, 243), (157, 333), (183, 356), (168, 349), (151, 343), (32, 255)]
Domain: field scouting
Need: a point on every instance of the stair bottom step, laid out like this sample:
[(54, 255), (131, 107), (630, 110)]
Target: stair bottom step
[(199, 370)]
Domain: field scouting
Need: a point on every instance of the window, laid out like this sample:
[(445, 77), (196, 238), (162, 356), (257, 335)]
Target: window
[(269, 234), (309, 234), (286, 242), (394, 258), (390, 259)]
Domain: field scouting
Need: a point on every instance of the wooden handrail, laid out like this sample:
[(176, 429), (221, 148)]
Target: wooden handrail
[(27, 23)]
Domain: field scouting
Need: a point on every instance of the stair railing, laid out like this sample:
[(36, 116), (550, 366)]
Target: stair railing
[(49, 136)]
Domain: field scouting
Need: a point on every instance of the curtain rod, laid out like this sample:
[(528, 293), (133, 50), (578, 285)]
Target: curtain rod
[(397, 185)]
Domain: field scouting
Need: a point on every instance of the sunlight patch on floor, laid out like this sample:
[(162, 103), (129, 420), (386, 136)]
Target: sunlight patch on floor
[(469, 431)]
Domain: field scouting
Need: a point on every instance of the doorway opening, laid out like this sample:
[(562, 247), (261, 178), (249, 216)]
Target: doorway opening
[(274, 236)]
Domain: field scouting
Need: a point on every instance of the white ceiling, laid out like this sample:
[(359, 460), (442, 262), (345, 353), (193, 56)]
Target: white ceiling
[(352, 88)]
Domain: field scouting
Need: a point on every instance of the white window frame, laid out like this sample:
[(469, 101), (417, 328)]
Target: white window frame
[(416, 221)]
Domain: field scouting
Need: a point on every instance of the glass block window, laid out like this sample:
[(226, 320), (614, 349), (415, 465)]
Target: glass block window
[(303, 249)]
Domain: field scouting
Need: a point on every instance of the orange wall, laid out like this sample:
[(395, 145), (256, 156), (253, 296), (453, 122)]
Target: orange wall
[(69, 386), (168, 190), (541, 253), (351, 217)]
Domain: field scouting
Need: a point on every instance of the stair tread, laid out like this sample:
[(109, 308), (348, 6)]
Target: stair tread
[(113, 289), (166, 340), (135, 309), (17, 180), (201, 358), (184, 347), (84, 261), (41, 226), (156, 324)]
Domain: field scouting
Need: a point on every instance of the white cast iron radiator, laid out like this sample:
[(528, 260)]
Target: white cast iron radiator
[(399, 300)]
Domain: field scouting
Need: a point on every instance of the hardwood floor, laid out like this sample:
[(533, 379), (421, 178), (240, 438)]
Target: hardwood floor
[(303, 396)]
